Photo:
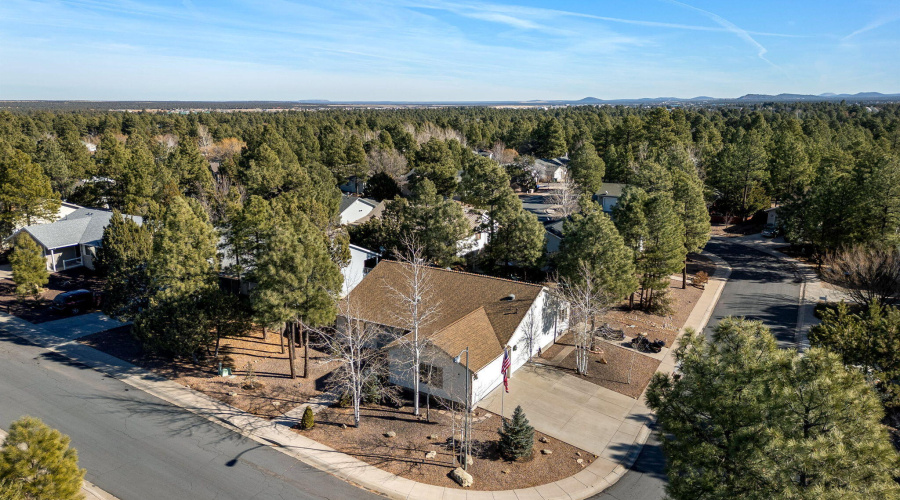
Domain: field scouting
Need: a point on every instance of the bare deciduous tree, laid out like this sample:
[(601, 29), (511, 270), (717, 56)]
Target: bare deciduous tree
[(352, 344), (390, 162), (586, 300), (565, 197), (503, 155), (866, 274), (417, 307)]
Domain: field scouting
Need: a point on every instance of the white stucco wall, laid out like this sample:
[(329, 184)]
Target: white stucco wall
[(547, 325), (354, 272)]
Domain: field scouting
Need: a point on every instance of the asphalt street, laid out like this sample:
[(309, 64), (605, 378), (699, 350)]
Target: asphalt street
[(136, 446), (761, 287)]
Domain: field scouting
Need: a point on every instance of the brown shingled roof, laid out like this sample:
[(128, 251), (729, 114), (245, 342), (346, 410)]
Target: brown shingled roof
[(473, 309)]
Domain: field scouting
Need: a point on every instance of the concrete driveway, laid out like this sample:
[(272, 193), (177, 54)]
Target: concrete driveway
[(79, 326), (572, 410)]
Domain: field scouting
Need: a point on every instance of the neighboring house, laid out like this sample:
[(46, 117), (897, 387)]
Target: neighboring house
[(554, 236), (73, 240), (480, 223), (354, 210), (483, 313), (353, 186), (362, 261), (609, 195), (64, 210), (772, 216), (552, 170)]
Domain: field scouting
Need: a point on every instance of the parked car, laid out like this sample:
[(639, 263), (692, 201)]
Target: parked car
[(770, 231), (74, 302)]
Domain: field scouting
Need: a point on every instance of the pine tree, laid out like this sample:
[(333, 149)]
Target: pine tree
[(592, 238), (435, 162), (29, 267), (747, 420), (663, 249), (516, 436), (551, 139), (26, 195), (123, 258), (586, 168), (182, 272), (308, 421), (39, 459)]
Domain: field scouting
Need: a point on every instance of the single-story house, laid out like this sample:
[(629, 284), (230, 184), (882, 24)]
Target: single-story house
[(354, 185), (487, 315), (72, 241), (551, 170), (609, 195), (355, 210)]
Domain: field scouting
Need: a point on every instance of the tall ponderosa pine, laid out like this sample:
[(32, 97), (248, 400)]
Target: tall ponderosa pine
[(297, 281), (591, 239), (516, 436), (182, 273), (26, 196), (663, 250), (586, 169), (550, 139), (747, 420), (124, 258), (29, 267), (40, 462)]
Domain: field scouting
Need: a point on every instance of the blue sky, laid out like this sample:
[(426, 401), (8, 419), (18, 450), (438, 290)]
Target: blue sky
[(413, 50)]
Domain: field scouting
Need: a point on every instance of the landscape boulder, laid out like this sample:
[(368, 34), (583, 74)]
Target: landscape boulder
[(546, 452), (462, 477), (390, 434), (430, 455)]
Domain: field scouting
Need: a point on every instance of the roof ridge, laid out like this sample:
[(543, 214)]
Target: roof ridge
[(477, 275), (464, 316)]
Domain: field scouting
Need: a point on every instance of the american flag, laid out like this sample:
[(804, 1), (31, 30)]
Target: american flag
[(505, 369)]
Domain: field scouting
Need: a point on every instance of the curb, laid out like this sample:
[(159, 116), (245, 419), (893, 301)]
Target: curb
[(347, 468)]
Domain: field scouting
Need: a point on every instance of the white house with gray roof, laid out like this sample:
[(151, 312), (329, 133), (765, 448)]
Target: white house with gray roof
[(72, 241)]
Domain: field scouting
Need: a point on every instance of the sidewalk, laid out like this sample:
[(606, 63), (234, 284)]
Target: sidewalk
[(598, 476), (88, 489)]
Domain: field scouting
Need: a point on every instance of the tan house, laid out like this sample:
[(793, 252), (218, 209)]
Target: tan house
[(483, 313)]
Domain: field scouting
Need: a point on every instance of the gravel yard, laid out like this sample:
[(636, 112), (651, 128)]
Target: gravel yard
[(404, 454), (619, 369), (275, 392), (38, 311)]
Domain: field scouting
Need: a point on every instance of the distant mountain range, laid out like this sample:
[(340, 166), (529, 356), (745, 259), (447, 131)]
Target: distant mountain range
[(187, 106)]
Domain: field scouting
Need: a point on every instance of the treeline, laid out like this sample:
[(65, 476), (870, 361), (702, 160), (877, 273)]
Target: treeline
[(261, 189)]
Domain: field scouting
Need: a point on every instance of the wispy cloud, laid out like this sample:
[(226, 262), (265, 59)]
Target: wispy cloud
[(877, 23), (731, 27)]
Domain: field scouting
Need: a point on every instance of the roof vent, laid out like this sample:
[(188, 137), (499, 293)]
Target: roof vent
[(511, 296)]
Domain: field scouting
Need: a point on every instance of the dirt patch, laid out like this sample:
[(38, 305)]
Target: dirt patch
[(38, 310), (268, 392), (404, 455), (619, 369), (662, 327)]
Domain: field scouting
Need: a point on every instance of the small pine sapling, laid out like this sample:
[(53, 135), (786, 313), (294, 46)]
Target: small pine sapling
[(309, 420), (516, 437)]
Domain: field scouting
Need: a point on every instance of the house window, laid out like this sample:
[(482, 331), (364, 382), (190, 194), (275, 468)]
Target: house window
[(431, 375)]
